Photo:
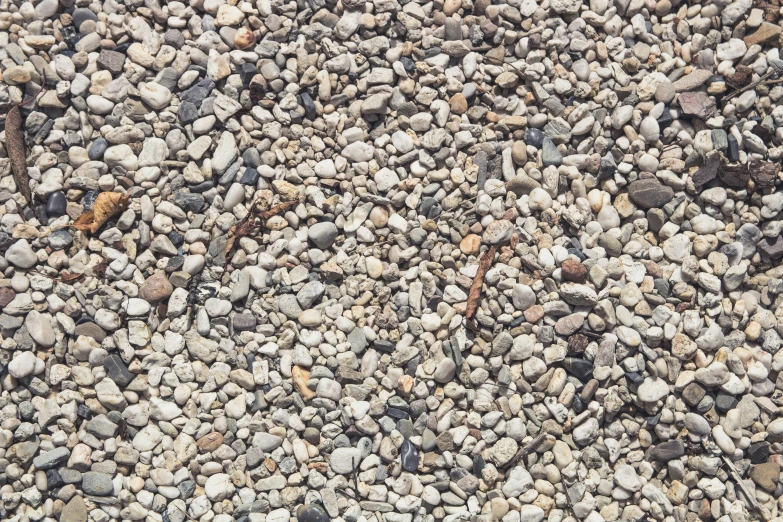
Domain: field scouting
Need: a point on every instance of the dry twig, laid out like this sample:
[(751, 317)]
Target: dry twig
[(475, 289), (15, 146)]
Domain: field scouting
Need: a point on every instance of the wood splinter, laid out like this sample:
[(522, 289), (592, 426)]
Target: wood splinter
[(15, 145), (485, 262)]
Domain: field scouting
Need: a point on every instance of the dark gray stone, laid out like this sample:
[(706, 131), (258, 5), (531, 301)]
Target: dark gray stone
[(98, 484)]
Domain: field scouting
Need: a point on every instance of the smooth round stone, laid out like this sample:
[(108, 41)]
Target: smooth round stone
[(21, 254), (155, 95), (234, 196), (81, 15), (323, 234), (56, 204), (534, 137), (312, 513)]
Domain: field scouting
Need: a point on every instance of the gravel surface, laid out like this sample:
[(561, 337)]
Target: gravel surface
[(391, 261)]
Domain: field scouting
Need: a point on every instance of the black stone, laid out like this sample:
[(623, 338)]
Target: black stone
[(665, 119), (383, 346), (189, 202), (176, 238), (117, 371), (607, 167), (187, 112), (578, 253), (534, 137), (312, 513), (83, 411), (186, 488), (478, 465), (759, 452), (634, 377), (668, 450), (725, 402), (89, 199), (81, 15), (307, 102), (70, 36), (246, 72), (198, 92), (53, 479), (97, 149), (56, 205), (397, 414), (733, 150), (409, 456), (249, 177), (174, 263), (579, 368)]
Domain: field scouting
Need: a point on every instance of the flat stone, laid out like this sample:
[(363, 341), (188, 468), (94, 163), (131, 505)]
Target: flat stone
[(74, 511), (649, 193), (98, 484)]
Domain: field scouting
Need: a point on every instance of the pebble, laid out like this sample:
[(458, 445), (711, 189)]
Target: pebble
[(209, 353)]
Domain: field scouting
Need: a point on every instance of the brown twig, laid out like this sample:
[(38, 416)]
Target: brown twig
[(485, 262), (250, 222), (738, 479), (750, 85), (15, 146)]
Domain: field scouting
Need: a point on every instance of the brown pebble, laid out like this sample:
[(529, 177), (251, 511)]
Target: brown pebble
[(573, 270), (210, 442)]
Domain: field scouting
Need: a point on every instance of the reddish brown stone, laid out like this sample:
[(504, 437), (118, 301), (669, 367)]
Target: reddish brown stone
[(156, 288), (573, 270), (534, 314), (6, 296), (765, 32), (210, 442)]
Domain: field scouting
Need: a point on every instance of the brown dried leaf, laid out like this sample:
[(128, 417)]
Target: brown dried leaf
[(485, 262), (245, 226), (68, 277), (106, 205)]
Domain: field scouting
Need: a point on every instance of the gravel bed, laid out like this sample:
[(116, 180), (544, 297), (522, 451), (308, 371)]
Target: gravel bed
[(391, 261)]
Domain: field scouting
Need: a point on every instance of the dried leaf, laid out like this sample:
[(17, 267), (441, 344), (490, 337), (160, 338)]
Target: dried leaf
[(247, 224), (100, 270), (106, 205), (68, 277), (485, 262)]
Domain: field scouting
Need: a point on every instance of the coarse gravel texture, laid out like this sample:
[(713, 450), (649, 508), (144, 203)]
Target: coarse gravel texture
[(273, 321)]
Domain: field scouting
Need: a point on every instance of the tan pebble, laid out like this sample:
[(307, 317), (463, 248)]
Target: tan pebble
[(244, 38), (470, 244), (451, 6), (379, 217)]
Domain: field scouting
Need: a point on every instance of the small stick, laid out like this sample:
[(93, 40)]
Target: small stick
[(485, 262), (750, 85), (738, 479), (15, 146)]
